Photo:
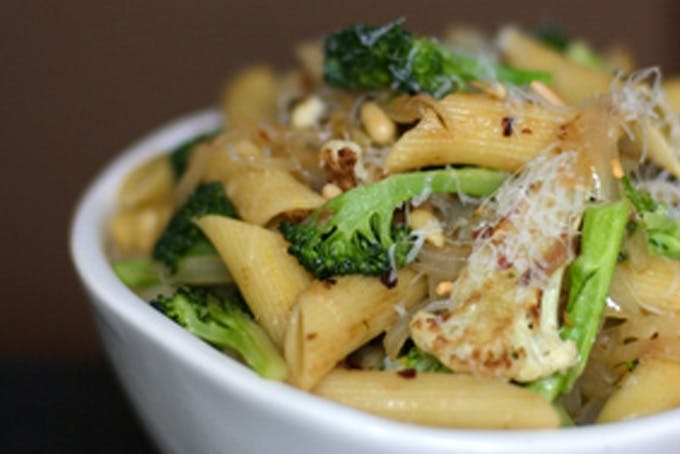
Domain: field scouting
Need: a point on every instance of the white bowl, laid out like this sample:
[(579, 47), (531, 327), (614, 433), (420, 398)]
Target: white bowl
[(195, 400)]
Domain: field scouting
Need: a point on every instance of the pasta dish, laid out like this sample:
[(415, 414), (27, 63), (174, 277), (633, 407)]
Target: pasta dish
[(473, 232)]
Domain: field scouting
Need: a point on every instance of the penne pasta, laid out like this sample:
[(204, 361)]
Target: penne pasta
[(439, 399), (269, 278), (151, 182), (475, 129), (251, 96), (218, 160), (654, 146), (652, 387), (260, 195), (329, 321), (136, 230), (655, 285), (572, 81), (672, 88)]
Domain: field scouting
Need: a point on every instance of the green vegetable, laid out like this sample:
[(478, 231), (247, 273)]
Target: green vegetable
[(192, 269), (181, 238), (663, 232), (368, 57), (179, 156), (416, 359), (136, 273), (552, 36), (577, 51), (353, 233), (223, 322), (589, 279), (580, 52)]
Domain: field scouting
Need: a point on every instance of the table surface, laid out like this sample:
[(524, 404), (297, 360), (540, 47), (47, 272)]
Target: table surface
[(58, 408)]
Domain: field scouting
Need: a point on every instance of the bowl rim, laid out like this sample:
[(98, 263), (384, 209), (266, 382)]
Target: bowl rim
[(87, 253)]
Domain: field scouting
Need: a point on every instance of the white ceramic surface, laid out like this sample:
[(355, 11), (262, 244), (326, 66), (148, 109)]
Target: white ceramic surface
[(195, 400)]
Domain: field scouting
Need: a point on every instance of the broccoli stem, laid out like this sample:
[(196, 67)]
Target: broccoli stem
[(204, 269), (471, 181), (403, 187), (589, 279), (137, 273)]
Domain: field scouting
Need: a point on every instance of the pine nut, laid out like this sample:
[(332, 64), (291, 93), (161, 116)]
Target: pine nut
[(330, 191), (307, 113), (423, 219), (378, 125)]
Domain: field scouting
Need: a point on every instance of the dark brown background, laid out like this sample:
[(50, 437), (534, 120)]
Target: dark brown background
[(79, 80)]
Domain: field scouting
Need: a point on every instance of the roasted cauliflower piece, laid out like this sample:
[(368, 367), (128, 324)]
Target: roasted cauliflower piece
[(502, 316)]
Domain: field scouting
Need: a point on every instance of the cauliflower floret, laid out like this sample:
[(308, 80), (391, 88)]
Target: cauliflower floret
[(501, 319)]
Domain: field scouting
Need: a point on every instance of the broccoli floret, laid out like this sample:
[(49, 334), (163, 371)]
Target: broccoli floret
[(663, 232), (368, 57), (179, 156), (353, 233), (181, 238), (223, 322)]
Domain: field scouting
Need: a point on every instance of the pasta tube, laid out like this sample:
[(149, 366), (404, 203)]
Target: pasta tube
[(652, 387), (269, 278), (656, 286), (260, 195), (329, 321), (251, 96), (439, 399), (466, 128), (672, 88), (572, 81), (136, 230), (151, 182)]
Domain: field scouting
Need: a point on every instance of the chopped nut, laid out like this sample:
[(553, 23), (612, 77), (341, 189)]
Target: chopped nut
[(444, 288), (424, 219), (342, 161), (380, 128), (307, 113), (617, 170), (330, 190)]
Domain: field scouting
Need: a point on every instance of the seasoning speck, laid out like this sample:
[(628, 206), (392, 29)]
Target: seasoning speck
[(506, 123), (407, 373)]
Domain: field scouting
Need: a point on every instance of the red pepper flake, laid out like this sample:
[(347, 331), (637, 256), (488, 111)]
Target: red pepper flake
[(503, 263), (506, 123), (482, 233), (407, 373)]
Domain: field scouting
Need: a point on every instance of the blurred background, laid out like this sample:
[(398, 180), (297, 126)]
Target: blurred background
[(81, 80)]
